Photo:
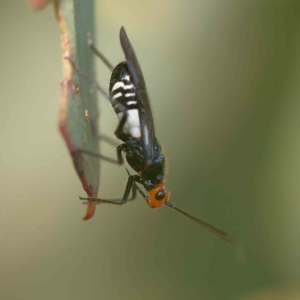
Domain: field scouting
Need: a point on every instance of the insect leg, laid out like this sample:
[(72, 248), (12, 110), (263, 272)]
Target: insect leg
[(121, 135), (133, 195), (108, 140), (98, 155), (131, 184), (119, 132), (119, 160), (121, 124), (112, 142), (98, 53), (91, 81), (137, 187), (119, 154)]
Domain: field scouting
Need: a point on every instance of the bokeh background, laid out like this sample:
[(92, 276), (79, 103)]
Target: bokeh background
[(223, 77)]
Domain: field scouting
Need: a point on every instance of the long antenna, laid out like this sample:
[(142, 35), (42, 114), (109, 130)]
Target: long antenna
[(219, 232)]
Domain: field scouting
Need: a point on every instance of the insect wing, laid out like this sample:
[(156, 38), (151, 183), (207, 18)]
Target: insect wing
[(145, 113)]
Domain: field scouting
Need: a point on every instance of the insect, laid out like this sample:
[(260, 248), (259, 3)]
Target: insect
[(130, 101)]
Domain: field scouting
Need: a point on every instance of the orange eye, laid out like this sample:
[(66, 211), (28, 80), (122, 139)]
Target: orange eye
[(158, 196)]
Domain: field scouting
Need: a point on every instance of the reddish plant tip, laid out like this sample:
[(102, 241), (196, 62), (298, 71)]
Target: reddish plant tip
[(38, 4), (90, 211)]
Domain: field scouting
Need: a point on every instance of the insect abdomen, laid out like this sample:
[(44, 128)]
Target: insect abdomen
[(123, 100)]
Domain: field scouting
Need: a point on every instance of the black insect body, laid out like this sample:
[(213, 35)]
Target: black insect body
[(149, 164), (129, 98)]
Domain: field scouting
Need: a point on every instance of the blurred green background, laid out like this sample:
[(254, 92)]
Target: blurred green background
[(223, 77)]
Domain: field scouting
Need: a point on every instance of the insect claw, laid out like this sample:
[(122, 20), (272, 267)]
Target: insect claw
[(83, 198)]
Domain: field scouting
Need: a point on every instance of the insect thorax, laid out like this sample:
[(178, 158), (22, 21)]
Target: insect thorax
[(153, 172)]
